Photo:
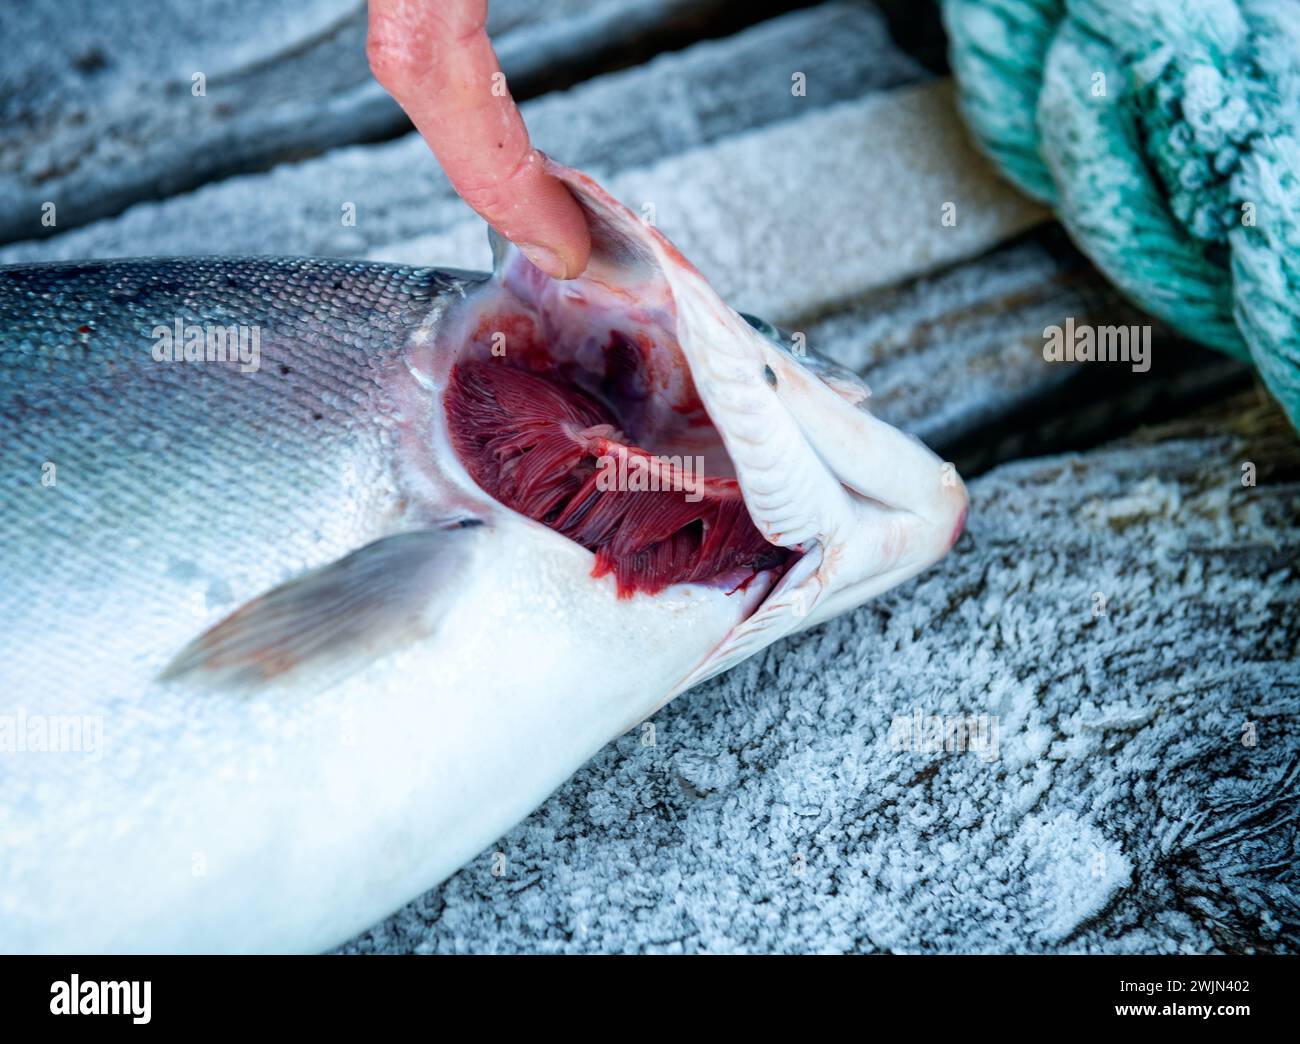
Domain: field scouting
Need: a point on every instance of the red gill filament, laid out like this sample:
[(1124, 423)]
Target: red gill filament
[(546, 450)]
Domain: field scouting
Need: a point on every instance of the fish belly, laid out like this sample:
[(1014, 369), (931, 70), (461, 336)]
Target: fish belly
[(294, 817)]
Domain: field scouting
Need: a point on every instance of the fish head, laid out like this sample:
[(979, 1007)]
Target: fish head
[(839, 505)]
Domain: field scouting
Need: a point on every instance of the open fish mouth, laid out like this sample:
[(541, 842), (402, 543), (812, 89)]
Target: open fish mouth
[(574, 460), (635, 413)]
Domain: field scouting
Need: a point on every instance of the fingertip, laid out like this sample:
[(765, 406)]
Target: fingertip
[(560, 242), (546, 259), (574, 239), (576, 251)]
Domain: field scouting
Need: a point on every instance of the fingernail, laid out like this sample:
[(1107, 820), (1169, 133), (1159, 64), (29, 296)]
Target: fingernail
[(545, 259)]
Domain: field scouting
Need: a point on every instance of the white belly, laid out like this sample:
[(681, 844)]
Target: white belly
[(293, 817)]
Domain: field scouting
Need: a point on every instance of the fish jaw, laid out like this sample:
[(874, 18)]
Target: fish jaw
[(860, 505)]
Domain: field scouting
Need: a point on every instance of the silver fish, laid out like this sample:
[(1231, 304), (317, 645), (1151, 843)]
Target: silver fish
[(277, 656)]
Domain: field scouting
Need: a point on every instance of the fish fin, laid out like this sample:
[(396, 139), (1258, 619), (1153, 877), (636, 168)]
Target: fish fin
[(361, 606)]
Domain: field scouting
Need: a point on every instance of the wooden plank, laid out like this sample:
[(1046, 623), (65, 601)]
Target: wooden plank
[(791, 218), (956, 357), (98, 110), (679, 101)]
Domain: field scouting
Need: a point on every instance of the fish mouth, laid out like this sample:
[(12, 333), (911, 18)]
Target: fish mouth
[(634, 412), (574, 449), (574, 404)]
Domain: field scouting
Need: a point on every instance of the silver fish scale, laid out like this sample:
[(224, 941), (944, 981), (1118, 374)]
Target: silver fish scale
[(183, 489)]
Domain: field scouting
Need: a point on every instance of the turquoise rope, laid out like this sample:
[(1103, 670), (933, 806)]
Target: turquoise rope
[(1159, 178)]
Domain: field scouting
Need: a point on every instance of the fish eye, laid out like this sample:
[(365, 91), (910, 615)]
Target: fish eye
[(762, 326)]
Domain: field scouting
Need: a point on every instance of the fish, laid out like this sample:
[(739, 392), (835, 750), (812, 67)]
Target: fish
[(317, 576)]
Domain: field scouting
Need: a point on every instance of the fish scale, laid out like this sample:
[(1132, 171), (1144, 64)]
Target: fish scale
[(279, 469)]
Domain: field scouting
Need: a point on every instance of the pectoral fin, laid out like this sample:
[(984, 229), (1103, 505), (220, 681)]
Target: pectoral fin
[(367, 603)]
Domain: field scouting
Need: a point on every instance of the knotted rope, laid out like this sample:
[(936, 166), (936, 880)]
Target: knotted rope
[(1166, 133)]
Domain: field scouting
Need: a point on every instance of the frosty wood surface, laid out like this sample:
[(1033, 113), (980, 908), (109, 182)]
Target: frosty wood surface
[(95, 121), (624, 120)]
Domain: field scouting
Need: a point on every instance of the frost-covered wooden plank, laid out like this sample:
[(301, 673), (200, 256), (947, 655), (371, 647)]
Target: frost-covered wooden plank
[(1118, 628), (633, 118), (792, 218), (99, 109), (957, 357)]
